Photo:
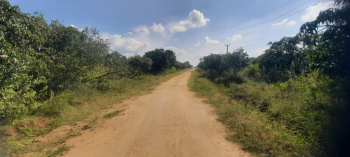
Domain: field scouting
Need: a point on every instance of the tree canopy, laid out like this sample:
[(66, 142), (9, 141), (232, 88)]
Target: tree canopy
[(162, 59)]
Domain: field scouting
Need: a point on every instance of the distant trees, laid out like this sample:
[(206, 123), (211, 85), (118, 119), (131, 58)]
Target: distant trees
[(162, 59), (184, 65), (224, 65), (116, 63), (212, 64), (235, 61), (140, 65)]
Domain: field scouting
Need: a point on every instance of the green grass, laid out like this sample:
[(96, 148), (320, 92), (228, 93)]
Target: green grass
[(80, 105), (285, 119), (57, 152), (112, 114)]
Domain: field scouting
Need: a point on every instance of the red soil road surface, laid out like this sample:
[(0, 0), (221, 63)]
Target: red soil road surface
[(170, 121)]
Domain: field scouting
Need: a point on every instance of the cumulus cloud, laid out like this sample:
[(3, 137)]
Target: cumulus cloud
[(210, 41), (159, 28), (235, 37), (142, 30), (125, 45), (194, 19), (145, 30), (313, 11)]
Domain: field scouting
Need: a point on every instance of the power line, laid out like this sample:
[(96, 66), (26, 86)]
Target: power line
[(263, 29), (268, 23)]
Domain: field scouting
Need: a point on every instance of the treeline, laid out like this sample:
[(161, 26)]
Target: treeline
[(306, 98), (39, 60)]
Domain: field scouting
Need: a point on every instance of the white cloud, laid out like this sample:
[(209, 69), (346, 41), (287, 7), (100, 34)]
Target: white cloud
[(210, 41), (280, 23), (313, 11), (291, 23), (194, 19), (235, 37), (159, 28), (125, 45), (284, 22), (142, 30), (197, 44)]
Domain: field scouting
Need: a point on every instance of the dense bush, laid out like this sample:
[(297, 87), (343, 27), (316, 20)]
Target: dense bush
[(284, 119), (252, 71)]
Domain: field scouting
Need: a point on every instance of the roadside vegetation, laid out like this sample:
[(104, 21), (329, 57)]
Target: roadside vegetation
[(79, 110), (293, 100), (53, 75)]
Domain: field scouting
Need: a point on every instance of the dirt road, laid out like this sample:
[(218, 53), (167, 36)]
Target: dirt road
[(170, 121)]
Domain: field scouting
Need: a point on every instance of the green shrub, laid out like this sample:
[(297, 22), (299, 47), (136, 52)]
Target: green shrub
[(170, 70), (304, 105), (282, 119), (252, 71), (55, 106)]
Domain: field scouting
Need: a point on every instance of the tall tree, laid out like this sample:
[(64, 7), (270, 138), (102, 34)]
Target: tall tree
[(117, 64), (159, 60), (333, 26), (170, 58), (235, 61), (140, 65)]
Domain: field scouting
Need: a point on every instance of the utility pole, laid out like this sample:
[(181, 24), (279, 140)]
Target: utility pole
[(227, 47)]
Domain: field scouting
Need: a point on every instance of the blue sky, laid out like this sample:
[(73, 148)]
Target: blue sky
[(191, 28)]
